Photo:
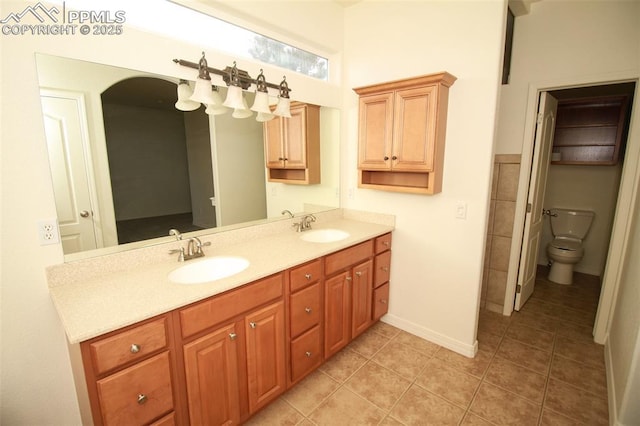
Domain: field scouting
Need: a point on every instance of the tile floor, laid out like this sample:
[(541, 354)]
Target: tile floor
[(537, 367)]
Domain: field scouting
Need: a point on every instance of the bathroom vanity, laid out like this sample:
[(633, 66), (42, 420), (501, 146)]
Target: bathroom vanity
[(218, 352)]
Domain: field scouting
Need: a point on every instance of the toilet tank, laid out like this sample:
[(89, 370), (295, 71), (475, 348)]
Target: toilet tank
[(571, 223)]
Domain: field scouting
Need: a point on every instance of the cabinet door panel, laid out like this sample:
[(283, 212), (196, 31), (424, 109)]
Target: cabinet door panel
[(211, 365), (361, 294), (305, 309), (375, 131), (414, 129), (273, 136), (306, 353), (296, 140), (380, 301), (336, 313), (265, 334), (382, 269)]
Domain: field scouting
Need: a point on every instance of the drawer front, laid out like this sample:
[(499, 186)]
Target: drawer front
[(383, 243), (138, 394), (380, 301), (304, 275), (128, 346), (206, 314), (305, 309), (382, 269), (347, 257), (306, 353), (168, 420)]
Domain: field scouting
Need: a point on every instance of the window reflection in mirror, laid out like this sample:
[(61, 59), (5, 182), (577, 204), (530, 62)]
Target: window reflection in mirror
[(127, 166)]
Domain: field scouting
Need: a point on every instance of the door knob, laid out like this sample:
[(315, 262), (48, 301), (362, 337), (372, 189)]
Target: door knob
[(84, 213)]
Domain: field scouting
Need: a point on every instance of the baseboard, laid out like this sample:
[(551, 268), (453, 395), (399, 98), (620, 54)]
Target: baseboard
[(611, 390), (432, 336)]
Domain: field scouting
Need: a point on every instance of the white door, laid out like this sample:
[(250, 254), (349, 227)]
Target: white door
[(64, 123), (533, 222)]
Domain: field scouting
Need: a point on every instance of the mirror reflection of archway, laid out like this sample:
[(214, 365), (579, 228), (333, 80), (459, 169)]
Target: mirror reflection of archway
[(159, 160)]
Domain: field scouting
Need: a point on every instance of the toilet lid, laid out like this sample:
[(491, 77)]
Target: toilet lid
[(566, 244)]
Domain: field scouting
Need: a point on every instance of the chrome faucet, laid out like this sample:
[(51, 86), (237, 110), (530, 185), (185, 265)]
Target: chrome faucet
[(194, 249), (287, 212), (305, 223)]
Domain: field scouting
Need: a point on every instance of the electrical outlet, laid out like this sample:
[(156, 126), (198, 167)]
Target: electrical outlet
[(461, 210), (48, 232)]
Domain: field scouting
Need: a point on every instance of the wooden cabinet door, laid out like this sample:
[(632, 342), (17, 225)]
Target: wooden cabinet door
[(295, 139), (380, 301), (273, 139), (362, 287), (337, 308), (414, 129), (211, 368), (265, 335), (375, 131)]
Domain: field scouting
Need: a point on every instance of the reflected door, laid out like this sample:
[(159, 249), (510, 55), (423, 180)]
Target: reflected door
[(64, 122)]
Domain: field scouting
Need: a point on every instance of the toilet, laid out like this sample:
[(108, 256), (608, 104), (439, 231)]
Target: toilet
[(569, 228)]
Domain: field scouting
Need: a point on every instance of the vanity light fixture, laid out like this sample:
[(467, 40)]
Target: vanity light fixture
[(184, 93), (237, 81)]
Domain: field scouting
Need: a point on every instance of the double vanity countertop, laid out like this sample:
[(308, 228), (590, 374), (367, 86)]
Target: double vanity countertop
[(96, 297)]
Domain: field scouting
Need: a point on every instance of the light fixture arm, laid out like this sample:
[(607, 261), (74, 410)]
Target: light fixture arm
[(244, 80)]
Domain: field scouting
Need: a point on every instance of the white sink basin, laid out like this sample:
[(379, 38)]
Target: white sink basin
[(324, 235), (211, 269)]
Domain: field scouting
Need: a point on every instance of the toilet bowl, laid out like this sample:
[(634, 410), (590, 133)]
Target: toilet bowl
[(569, 228)]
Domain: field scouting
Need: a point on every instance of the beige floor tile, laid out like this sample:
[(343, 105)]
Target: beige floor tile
[(402, 359), (306, 395), (492, 322), (524, 355), (378, 385), (516, 379), (539, 322), (419, 407), (343, 364), (501, 407), (452, 385), (576, 403), (531, 336), (576, 332), (590, 379), (419, 344), (488, 342), (549, 418), (471, 419), (346, 408), (369, 343), (474, 366), (585, 353), (385, 329), (278, 413), (390, 421)]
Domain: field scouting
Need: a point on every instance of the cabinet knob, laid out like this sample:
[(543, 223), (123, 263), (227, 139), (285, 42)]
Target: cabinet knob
[(386, 158), (307, 276), (386, 243), (233, 336), (280, 158), (348, 278), (134, 349), (142, 398), (308, 354), (307, 310), (253, 325), (394, 158), (383, 301), (359, 273), (385, 268)]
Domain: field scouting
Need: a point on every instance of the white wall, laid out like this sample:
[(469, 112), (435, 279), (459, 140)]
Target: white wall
[(37, 384), (437, 259)]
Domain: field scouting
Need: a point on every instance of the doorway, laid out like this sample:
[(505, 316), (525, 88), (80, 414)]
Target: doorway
[(609, 237)]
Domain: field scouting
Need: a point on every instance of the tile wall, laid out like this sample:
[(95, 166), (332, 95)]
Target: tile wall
[(504, 189)]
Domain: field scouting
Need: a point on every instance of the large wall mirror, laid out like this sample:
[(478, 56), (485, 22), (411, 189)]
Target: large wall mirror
[(127, 166)]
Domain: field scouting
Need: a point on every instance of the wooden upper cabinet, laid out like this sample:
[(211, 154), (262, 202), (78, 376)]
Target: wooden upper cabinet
[(402, 134), (292, 146)]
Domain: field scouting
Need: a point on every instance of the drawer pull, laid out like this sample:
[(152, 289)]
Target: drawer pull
[(307, 276), (383, 301), (386, 243), (233, 336), (253, 325), (385, 268), (308, 354), (134, 349), (359, 273), (307, 310), (348, 278), (142, 398)]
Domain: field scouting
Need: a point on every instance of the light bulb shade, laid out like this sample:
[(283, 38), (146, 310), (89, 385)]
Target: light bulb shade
[(263, 116), (261, 103), (234, 98), (184, 93), (202, 92), (243, 111), (282, 109), (216, 109)]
